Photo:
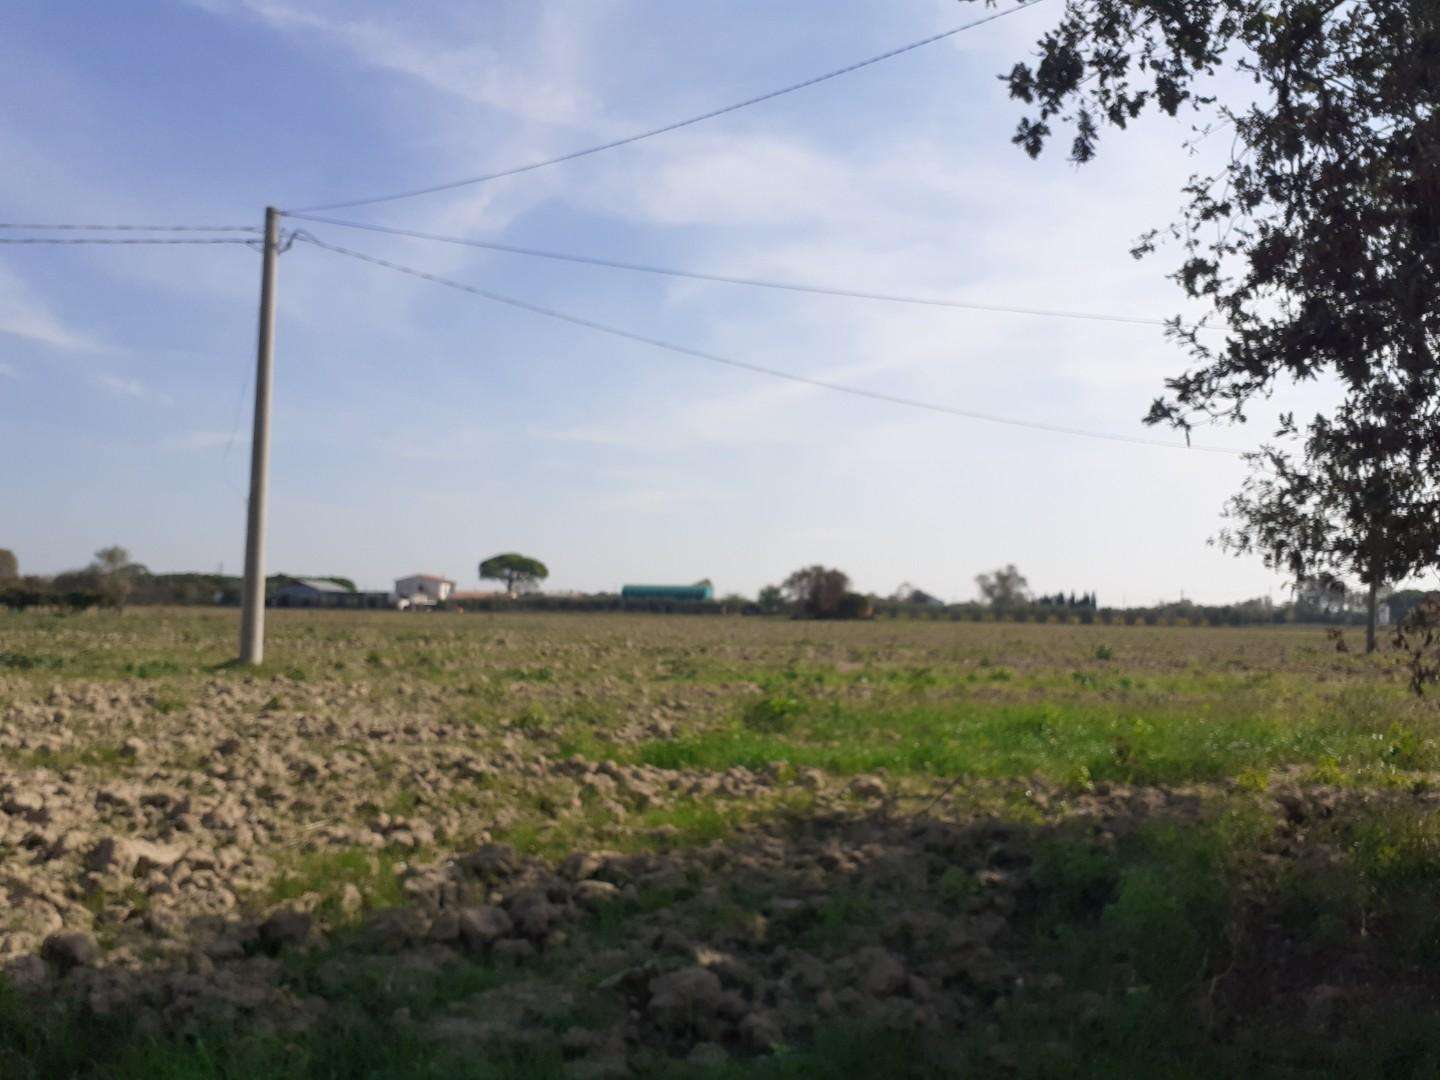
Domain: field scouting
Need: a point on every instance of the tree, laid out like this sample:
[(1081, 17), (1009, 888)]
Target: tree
[(1401, 603), (1003, 588), (770, 599), (1418, 635), (817, 590), (854, 605), (517, 571), (1318, 251), (114, 575), (9, 565), (1361, 499), (913, 594)]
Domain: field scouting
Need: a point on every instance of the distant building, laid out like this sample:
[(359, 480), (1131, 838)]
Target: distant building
[(421, 590), (309, 592), (682, 593), (1323, 594)]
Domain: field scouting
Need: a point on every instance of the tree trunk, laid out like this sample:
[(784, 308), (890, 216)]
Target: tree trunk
[(1372, 607)]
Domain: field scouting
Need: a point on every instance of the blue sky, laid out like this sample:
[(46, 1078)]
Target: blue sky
[(418, 428)]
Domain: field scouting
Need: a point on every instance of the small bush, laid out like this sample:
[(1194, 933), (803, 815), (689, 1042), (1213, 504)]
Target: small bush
[(18, 661), (773, 714), (854, 606)]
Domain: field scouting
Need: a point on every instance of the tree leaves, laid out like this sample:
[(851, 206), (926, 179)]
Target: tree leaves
[(1317, 242)]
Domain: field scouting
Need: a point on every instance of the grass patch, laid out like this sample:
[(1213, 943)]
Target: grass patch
[(153, 669), (18, 661), (327, 873), (1068, 742), (97, 756), (359, 1040), (169, 701)]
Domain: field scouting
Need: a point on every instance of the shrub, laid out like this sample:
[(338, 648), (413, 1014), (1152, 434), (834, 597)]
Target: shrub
[(20, 597), (854, 606), (773, 714), (1419, 635)]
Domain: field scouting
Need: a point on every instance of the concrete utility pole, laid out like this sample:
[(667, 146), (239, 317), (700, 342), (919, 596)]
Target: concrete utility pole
[(252, 623)]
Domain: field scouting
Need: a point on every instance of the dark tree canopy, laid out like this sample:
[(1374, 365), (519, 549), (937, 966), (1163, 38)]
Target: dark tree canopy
[(1360, 500), (9, 565), (1003, 588), (517, 571), (817, 591), (1317, 241), (1317, 244), (112, 574)]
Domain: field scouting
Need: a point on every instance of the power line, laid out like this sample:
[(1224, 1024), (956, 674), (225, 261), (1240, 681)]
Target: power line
[(121, 240), (132, 228), (699, 354), (788, 286), (712, 114)]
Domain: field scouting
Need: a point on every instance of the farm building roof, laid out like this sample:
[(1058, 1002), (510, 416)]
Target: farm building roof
[(320, 586), (668, 592)]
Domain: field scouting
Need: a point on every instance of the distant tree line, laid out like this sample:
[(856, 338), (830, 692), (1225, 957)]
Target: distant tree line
[(1059, 600), (108, 581), (113, 580)]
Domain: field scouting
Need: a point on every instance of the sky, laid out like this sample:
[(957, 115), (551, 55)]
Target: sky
[(419, 428)]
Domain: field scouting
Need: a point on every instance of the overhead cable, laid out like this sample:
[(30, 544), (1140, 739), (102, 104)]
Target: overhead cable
[(123, 240), (675, 126), (894, 399), (132, 228), (788, 286)]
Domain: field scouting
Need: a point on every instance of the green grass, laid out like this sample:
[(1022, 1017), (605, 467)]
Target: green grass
[(1146, 924), (687, 824), (18, 661), (1155, 741), (360, 1041), (328, 873), (102, 757), (1184, 946)]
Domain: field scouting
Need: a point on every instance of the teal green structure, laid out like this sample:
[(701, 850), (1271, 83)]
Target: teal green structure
[(683, 593)]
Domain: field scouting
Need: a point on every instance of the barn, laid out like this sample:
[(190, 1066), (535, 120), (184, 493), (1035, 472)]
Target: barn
[(688, 594), (309, 592)]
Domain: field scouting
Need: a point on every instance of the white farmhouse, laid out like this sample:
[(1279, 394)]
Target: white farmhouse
[(423, 590)]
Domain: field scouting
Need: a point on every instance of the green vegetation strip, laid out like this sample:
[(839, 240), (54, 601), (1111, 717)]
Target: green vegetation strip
[(1153, 742)]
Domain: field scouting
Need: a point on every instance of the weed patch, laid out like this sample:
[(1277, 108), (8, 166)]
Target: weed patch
[(370, 873)]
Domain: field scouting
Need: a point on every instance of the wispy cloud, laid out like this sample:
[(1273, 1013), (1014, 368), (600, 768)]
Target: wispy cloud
[(206, 440), (473, 72), (131, 388), (25, 315), (8, 371)]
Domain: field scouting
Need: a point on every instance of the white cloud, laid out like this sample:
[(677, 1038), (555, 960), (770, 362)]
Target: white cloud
[(470, 70), (907, 195), (25, 315), (130, 388), (206, 440)]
